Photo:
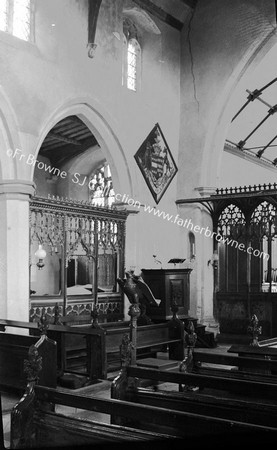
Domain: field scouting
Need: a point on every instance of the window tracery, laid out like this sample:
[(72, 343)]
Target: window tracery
[(101, 192)]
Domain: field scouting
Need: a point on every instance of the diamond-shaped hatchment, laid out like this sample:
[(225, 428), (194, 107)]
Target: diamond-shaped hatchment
[(156, 163)]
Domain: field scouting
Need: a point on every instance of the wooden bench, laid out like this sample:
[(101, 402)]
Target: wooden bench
[(234, 366), (14, 350), (251, 366), (35, 424), (242, 401), (267, 353)]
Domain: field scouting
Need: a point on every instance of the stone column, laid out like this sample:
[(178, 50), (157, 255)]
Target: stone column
[(14, 249), (209, 269)]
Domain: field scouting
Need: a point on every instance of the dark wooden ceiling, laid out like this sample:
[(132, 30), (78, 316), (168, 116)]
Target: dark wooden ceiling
[(68, 138), (169, 12)]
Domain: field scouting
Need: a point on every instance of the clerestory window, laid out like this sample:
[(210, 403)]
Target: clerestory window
[(16, 18), (131, 56)]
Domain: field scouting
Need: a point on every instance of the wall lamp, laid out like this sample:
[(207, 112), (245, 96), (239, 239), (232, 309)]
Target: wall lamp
[(214, 261), (40, 254)]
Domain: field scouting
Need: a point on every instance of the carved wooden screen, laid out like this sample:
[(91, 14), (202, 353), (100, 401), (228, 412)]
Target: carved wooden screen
[(232, 261), (263, 238), (84, 249)]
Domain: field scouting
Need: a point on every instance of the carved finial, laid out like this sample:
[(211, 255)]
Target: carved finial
[(57, 319), (191, 336), (187, 365), (134, 310), (43, 324), (32, 365), (255, 330), (126, 348), (94, 315)]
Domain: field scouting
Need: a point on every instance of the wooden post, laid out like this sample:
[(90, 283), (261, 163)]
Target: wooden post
[(134, 313)]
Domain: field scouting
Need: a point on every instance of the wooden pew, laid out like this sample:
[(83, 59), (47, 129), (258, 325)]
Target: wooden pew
[(14, 350), (266, 353), (46, 428), (35, 424), (235, 399), (239, 400), (253, 361)]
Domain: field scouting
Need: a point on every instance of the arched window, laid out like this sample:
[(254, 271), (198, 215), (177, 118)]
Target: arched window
[(16, 17), (131, 67), (101, 191), (133, 58), (191, 246)]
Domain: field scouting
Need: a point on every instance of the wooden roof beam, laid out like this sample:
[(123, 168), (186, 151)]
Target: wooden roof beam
[(190, 3), (159, 13), (62, 138)]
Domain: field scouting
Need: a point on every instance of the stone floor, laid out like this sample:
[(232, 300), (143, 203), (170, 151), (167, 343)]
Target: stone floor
[(101, 389)]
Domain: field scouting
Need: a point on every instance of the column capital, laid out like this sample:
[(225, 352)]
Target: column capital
[(206, 190), (17, 189)]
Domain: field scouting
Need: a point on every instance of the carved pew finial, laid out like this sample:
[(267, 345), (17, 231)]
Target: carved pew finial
[(126, 348), (94, 317), (33, 365), (57, 317), (190, 337), (43, 324), (122, 383), (134, 313), (255, 330)]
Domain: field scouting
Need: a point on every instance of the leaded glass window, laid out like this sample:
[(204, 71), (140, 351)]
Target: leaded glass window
[(131, 67), (132, 64), (101, 190), (16, 18), (4, 15), (22, 19)]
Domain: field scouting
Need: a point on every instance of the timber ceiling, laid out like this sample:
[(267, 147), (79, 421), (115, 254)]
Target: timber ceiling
[(68, 138), (172, 12)]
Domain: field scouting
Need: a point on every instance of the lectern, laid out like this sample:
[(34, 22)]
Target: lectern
[(168, 285)]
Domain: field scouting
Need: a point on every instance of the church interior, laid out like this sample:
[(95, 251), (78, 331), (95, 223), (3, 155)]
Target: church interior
[(138, 265)]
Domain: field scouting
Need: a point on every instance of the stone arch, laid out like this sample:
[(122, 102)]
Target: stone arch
[(102, 126), (225, 109), (9, 139)]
